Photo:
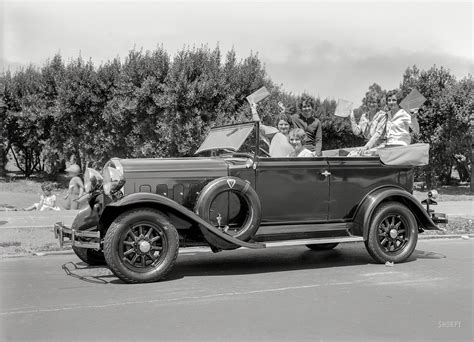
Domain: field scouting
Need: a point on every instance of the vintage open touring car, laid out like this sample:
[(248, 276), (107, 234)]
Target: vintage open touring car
[(233, 195)]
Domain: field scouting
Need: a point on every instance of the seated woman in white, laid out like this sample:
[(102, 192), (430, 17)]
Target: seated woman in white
[(297, 138), (394, 128), (277, 138)]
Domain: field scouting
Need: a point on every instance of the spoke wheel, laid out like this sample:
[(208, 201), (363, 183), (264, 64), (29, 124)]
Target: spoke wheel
[(393, 233), (141, 246)]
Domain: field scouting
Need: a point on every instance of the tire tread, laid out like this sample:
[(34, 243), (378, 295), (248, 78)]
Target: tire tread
[(112, 231)]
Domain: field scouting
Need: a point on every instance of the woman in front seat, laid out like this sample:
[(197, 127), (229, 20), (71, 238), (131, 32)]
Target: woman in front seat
[(297, 139), (277, 138)]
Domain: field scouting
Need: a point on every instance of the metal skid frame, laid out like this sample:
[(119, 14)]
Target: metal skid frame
[(61, 232)]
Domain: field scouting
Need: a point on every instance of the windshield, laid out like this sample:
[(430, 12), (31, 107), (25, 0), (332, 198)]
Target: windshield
[(228, 138)]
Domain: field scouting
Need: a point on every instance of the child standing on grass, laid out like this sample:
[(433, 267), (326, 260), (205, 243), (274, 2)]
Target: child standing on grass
[(76, 187), (47, 201)]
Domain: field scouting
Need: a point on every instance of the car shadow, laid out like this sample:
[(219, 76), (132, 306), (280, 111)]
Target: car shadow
[(244, 262), (417, 254), (268, 261)]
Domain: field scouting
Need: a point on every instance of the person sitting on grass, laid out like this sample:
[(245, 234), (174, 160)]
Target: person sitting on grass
[(47, 201), (297, 138)]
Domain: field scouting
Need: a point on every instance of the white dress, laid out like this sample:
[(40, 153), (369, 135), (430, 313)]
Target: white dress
[(304, 153)]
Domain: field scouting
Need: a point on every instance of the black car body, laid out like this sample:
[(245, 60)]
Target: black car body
[(232, 195)]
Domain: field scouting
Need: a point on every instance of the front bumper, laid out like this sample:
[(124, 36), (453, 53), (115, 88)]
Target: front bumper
[(439, 218), (82, 238)]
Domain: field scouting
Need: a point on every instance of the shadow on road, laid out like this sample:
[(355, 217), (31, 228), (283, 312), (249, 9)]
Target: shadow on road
[(247, 262), (426, 255)]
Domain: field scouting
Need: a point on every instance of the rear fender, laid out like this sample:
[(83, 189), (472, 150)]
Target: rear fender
[(368, 205), (214, 236)]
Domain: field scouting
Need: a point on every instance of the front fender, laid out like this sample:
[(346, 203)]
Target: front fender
[(368, 205), (215, 237), (88, 216)]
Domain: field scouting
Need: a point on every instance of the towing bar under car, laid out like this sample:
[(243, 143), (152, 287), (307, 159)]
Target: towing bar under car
[(61, 232)]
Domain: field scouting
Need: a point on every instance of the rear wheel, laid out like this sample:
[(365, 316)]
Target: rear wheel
[(322, 246), (141, 246), (393, 233)]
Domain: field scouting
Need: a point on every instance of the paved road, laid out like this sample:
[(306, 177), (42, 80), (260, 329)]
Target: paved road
[(275, 294)]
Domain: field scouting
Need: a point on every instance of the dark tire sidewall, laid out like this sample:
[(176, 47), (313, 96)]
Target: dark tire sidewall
[(241, 188), (113, 239), (373, 245), (90, 256)]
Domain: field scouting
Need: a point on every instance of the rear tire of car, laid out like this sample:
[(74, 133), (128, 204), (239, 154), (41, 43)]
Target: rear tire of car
[(90, 256), (322, 246), (244, 191), (141, 246), (393, 233)]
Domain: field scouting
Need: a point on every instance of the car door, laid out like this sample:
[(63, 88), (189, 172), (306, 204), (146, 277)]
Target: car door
[(351, 179), (292, 190)]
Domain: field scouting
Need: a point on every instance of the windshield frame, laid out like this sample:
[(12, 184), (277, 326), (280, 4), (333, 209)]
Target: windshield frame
[(255, 128)]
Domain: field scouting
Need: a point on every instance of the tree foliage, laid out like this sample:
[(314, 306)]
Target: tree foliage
[(444, 121), (152, 104)]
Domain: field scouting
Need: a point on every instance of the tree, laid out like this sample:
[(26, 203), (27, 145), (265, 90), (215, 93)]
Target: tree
[(444, 123)]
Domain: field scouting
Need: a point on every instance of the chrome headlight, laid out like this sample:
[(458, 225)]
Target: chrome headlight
[(113, 180), (92, 180)]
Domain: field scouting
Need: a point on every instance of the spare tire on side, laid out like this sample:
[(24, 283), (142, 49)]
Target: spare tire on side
[(232, 205)]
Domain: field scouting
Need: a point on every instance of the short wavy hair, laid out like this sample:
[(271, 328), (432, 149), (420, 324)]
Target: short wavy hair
[(395, 92), (298, 133), (47, 187), (374, 96), (283, 117)]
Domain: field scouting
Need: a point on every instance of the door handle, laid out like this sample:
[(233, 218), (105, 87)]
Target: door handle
[(326, 173)]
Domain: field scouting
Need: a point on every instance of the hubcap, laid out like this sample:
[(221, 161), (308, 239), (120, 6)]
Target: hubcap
[(393, 233), (144, 246)]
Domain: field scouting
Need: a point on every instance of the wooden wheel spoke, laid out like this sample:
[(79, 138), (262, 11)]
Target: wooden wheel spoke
[(133, 236), (148, 233), (155, 239), (131, 250)]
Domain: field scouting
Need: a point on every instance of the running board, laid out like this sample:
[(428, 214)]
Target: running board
[(300, 242)]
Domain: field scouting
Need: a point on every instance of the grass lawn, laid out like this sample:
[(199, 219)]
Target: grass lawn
[(23, 193)]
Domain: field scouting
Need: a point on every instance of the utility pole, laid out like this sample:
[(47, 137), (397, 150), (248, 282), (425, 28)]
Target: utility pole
[(3, 111), (471, 121)]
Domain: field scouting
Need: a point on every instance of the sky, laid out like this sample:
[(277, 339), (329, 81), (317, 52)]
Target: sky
[(328, 49)]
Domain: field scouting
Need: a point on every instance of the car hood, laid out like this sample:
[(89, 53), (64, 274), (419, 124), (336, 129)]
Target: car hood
[(143, 167)]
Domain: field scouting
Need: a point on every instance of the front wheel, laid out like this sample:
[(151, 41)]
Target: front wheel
[(91, 257), (393, 233), (141, 246)]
